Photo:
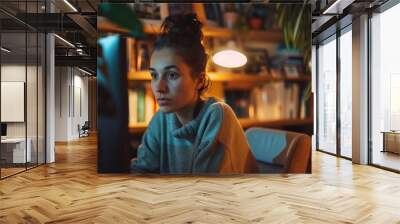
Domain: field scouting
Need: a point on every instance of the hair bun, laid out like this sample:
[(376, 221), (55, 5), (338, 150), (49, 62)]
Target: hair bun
[(182, 28)]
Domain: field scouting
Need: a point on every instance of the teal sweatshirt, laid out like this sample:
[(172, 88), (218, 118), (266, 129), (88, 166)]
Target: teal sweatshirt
[(213, 142)]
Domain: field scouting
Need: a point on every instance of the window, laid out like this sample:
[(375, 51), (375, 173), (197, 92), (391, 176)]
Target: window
[(385, 86), (346, 93), (327, 96)]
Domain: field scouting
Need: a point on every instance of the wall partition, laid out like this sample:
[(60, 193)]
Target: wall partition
[(22, 78), (326, 95)]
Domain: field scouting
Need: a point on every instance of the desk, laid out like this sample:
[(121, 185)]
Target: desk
[(15, 148), (391, 141)]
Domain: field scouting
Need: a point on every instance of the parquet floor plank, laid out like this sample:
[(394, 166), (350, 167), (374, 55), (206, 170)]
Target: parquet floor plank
[(71, 191)]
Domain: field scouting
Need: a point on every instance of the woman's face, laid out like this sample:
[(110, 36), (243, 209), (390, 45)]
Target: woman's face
[(172, 83)]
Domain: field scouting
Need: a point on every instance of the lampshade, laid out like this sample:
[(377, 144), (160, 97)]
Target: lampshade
[(230, 57)]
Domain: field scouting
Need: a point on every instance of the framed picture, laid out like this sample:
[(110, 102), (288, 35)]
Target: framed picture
[(213, 14), (258, 61), (143, 50), (151, 13), (291, 71), (179, 8), (148, 11)]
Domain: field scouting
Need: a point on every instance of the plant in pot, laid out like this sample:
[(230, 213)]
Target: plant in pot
[(294, 20), (256, 20), (230, 15)]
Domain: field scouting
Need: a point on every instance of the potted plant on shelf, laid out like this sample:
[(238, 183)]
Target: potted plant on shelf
[(294, 20), (256, 20), (256, 23)]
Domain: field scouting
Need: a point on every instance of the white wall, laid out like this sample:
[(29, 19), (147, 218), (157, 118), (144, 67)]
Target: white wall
[(16, 73), (34, 124), (71, 94), (61, 103)]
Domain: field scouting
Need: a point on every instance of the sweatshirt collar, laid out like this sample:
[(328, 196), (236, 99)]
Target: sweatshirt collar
[(189, 130)]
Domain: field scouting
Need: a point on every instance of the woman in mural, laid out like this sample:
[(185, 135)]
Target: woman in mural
[(190, 134)]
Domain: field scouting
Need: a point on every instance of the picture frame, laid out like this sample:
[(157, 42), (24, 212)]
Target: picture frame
[(213, 14), (151, 13), (258, 61), (177, 8), (291, 70), (142, 52)]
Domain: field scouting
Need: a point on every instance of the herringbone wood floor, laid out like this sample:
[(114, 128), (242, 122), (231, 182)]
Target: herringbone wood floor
[(71, 191)]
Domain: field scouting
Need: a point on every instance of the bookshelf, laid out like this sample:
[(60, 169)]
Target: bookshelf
[(248, 123)]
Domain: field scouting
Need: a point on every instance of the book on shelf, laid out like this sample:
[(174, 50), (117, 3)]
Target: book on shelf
[(292, 99), (142, 105), (132, 100), (306, 109), (302, 108), (150, 106)]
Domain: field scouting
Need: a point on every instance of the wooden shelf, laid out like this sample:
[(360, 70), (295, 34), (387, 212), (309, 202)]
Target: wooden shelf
[(230, 77), (225, 77), (139, 76), (154, 28), (108, 27), (138, 128), (246, 123)]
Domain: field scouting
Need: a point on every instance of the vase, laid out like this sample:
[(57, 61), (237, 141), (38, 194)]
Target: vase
[(256, 23), (230, 19)]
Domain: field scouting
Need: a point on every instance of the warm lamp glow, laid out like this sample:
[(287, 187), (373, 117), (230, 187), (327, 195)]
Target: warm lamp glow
[(230, 59)]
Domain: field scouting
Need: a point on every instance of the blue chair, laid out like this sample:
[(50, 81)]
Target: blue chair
[(278, 151)]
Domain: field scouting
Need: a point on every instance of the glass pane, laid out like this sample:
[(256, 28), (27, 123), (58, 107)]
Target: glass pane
[(14, 152), (385, 89), (327, 97), (32, 86), (346, 94), (41, 99), (31, 97)]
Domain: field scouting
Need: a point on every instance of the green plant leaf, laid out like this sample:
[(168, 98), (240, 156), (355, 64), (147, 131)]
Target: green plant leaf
[(123, 16), (298, 22)]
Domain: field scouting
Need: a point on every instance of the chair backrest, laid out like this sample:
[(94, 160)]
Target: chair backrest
[(86, 125), (290, 150)]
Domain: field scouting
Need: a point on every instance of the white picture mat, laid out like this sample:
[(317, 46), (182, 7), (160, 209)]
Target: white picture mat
[(12, 101)]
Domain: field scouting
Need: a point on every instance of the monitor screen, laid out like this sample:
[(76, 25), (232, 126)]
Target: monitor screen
[(3, 129)]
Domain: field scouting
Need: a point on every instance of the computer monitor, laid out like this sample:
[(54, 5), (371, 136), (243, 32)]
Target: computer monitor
[(3, 129), (112, 106)]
